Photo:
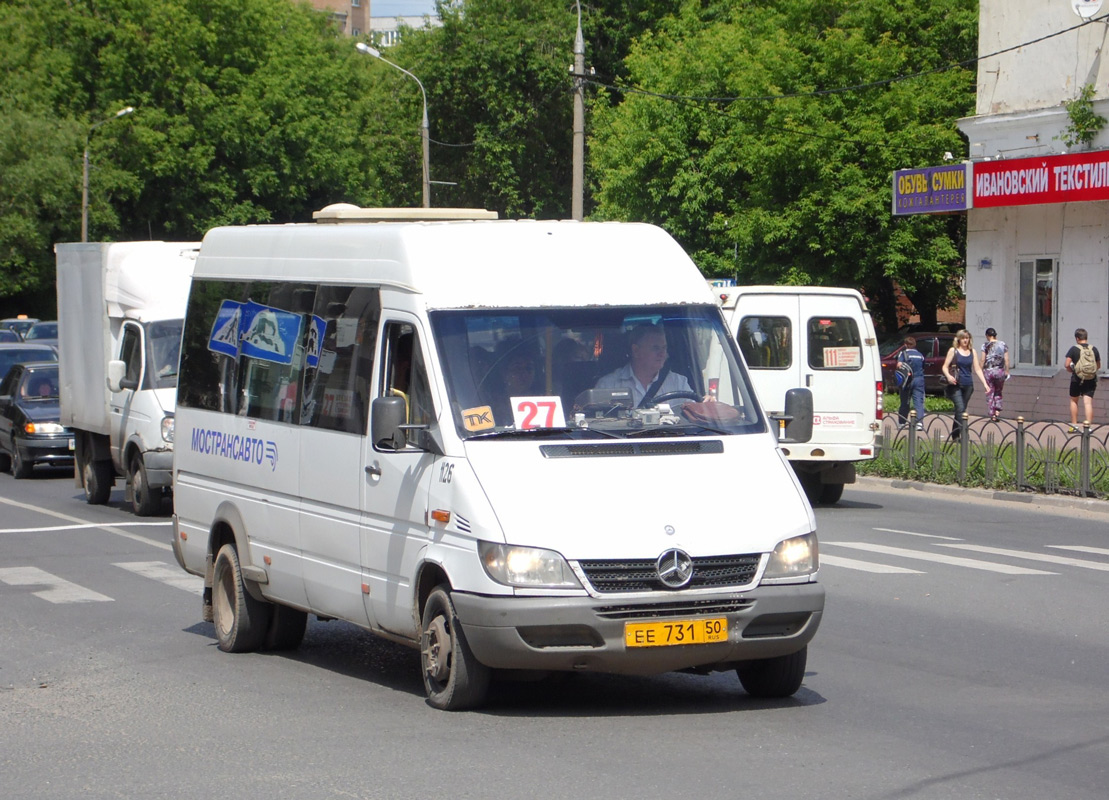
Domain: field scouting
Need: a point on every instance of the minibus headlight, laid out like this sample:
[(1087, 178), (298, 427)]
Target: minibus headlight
[(526, 566), (793, 558), (167, 429)]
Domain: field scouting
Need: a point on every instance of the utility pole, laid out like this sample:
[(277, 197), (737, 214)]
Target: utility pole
[(577, 210)]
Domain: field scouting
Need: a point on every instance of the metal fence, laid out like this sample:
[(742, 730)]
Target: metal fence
[(1049, 457)]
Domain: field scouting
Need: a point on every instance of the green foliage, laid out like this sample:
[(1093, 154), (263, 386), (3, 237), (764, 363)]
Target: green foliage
[(1084, 124), (793, 180)]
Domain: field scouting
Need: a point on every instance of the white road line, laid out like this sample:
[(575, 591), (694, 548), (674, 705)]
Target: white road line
[(914, 533), (164, 573), (939, 558), (1077, 548), (79, 527), (866, 566), (1045, 557), (114, 529), (59, 591)]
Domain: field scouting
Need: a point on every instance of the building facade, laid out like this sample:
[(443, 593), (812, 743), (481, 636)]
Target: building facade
[(1038, 231)]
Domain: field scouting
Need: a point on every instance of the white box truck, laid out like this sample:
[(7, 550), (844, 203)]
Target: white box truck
[(821, 338), (120, 312), (486, 439)]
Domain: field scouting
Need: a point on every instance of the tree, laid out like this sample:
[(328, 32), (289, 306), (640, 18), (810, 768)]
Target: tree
[(789, 181)]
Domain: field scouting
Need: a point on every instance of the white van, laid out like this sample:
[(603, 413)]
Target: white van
[(821, 338), (432, 430)]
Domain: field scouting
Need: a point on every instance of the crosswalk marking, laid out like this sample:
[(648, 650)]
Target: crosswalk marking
[(1045, 557), (866, 566), (939, 558), (1077, 548), (164, 573), (915, 533), (59, 590)]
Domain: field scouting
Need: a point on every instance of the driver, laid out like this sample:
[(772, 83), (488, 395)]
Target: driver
[(645, 368)]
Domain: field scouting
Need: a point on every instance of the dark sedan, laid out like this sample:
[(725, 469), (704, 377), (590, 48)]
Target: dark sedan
[(933, 346), (30, 428), (12, 353)]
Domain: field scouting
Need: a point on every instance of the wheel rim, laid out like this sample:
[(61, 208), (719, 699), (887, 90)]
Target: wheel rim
[(437, 651), (223, 613)]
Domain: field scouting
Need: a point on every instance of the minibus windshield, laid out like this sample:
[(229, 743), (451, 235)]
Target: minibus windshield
[(593, 372)]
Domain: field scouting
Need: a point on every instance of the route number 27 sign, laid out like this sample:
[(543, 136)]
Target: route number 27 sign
[(538, 412)]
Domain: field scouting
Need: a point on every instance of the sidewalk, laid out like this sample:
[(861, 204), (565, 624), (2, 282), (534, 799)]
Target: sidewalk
[(1046, 502)]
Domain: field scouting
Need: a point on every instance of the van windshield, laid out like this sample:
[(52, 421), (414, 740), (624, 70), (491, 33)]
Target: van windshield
[(594, 372)]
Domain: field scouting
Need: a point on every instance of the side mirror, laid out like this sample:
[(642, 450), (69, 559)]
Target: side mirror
[(116, 371), (797, 417), (388, 416)]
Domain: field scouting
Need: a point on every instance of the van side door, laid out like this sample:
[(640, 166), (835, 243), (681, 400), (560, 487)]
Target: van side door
[(396, 483), (123, 410)]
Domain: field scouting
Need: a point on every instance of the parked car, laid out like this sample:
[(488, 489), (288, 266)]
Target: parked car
[(43, 333), (20, 324), (9, 335), (12, 353), (30, 428), (933, 346)]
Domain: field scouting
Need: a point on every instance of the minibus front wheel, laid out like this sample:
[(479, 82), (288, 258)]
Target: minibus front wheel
[(453, 677), (241, 621), (774, 677)]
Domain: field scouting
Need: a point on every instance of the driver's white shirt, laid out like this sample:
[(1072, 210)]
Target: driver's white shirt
[(624, 378)]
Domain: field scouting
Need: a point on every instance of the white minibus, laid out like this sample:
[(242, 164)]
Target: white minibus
[(822, 338), (489, 440)]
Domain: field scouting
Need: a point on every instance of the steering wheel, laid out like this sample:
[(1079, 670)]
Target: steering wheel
[(662, 398)]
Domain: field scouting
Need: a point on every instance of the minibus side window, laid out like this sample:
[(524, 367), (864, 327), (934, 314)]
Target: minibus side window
[(274, 335), (834, 343), (766, 342), (405, 374), (338, 368), (209, 377)]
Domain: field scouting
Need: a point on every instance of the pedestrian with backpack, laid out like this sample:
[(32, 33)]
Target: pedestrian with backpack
[(995, 365), (1083, 362), (910, 372)]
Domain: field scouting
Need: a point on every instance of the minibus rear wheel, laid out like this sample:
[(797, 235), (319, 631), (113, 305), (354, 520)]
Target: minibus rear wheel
[(241, 621), (453, 677), (774, 677)]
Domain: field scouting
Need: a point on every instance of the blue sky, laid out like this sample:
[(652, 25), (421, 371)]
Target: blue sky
[(401, 8)]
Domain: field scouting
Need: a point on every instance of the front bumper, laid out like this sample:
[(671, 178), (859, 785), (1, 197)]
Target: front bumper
[(587, 633), (159, 468), (46, 449)]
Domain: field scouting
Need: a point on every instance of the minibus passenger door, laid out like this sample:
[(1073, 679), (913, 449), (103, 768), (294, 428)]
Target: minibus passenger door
[(397, 479)]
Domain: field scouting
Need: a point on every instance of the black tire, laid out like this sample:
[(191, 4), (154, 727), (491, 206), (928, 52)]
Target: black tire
[(453, 678), (97, 477), (830, 493), (241, 621), (145, 502), (21, 467), (287, 627), (810, 482), (774, 677)]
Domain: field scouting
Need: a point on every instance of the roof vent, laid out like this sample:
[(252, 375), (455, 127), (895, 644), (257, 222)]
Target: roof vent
[(346, 212)]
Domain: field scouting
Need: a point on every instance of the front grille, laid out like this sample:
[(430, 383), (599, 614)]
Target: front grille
[(709, 572), (690, 608), (608, 449)]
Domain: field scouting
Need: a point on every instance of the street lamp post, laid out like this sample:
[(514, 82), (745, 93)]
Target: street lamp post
[(364, 48), (85, 171)]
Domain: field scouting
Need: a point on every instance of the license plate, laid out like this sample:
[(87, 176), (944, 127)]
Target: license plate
[(675, 632), (71, 444)]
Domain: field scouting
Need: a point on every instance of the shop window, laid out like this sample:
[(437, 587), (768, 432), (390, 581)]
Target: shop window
[(1036, 319)]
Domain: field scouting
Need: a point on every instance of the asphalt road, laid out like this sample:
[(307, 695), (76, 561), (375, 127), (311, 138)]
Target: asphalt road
[(964, 654)]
